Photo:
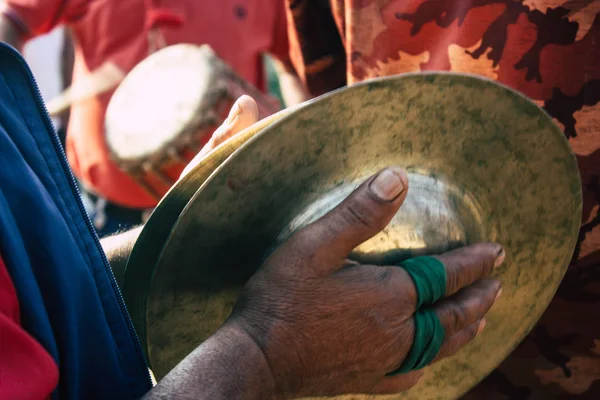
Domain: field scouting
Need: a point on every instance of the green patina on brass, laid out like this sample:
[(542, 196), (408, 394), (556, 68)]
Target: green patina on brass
[(484, 163)]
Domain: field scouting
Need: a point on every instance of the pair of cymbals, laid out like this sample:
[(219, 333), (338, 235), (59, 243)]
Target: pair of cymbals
[(484, 164)]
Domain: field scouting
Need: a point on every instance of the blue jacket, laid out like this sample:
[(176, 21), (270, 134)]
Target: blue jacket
[(67, 293)]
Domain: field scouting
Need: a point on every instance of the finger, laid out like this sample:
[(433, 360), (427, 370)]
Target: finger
[(469, 264), (243, 114), (392, 285), (467, 306), (359, 217), (452, 344), (397, 383)]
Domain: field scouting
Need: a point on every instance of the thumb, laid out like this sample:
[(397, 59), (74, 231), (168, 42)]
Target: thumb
[(362, 215), (243, 114)]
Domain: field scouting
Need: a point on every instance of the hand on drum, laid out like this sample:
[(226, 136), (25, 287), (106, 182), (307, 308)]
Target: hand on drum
[(243, 114), (328, 326)]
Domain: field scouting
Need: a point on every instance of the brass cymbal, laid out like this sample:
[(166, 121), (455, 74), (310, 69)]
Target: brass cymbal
[(156, 230), (484, 163)]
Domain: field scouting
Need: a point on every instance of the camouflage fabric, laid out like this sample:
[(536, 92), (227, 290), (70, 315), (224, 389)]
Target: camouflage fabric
[(547, 49)]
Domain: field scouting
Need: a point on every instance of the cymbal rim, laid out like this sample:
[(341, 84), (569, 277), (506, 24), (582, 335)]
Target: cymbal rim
[(375, 82), (150, 243)]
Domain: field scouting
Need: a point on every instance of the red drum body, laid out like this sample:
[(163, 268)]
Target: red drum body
[(167, 108)]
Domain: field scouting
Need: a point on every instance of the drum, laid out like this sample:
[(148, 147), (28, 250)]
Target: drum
[(167, 108)]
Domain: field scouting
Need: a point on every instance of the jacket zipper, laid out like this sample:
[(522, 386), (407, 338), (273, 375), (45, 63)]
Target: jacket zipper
[(69, 174)]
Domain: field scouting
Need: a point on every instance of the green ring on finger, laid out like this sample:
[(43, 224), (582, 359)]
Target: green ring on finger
[(429, 335), (429, 277)]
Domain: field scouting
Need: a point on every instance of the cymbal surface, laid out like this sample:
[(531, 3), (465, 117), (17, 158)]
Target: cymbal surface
[(158, 227), (484, 163)]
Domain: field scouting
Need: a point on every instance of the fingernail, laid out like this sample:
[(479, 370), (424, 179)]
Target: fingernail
[(480, 327), (498, 294), (499, 258), (387, 185)]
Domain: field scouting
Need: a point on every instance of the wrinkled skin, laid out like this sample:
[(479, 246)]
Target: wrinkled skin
[(316, 346), (290, 335)]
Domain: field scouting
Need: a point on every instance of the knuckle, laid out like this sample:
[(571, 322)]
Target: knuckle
[(361, 209), (294, 256), (355, 213), (452, 280), (382, 275), (458, 318), (397, 287)]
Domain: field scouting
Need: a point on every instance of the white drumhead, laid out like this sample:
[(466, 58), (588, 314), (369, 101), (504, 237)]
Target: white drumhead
[(158, 99)]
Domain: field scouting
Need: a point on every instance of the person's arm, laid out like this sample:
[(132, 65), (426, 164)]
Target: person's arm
[(118, 248), (229, 365), (22, 20), (10, 33)]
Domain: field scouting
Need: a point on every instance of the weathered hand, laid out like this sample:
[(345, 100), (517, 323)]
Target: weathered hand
[(328, 326), (243, 114)]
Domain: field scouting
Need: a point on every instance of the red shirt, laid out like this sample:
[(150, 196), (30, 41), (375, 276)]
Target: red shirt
[(27, 371), (239, 31)]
